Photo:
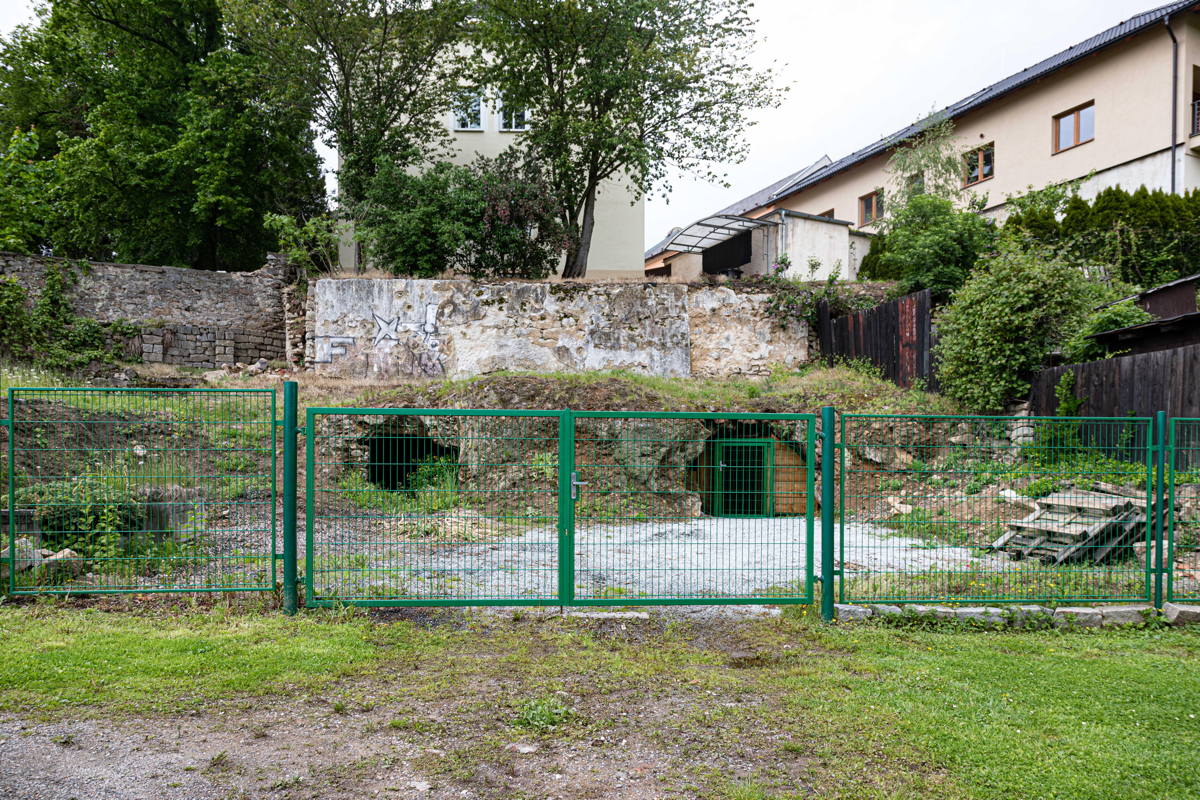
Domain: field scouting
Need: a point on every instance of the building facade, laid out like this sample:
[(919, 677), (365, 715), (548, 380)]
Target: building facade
[(1121, 108)]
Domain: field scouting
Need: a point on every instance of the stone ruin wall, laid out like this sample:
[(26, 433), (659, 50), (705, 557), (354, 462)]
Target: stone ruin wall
[(396, 329), (191, 317)]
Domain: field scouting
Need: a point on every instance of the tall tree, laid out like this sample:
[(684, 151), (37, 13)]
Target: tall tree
[(380, 72), (622, 91), (169, 145)]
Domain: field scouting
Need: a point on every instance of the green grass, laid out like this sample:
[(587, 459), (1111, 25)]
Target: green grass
[(834, 712)]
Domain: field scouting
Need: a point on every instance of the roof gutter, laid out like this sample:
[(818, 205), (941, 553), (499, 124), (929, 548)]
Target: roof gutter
[(1174, 96)]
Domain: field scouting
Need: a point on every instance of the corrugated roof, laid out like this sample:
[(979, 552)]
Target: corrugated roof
[(986, 95), (817, 172)]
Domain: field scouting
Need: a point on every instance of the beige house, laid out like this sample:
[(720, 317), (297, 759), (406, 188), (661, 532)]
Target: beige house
[(1121, 108), (484, 128)]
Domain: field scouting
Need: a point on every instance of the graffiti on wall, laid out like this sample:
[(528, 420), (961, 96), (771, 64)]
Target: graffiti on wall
[(422, 354)]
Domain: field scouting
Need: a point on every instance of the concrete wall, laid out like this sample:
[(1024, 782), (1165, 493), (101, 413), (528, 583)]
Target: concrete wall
[(451, 328), (192, 317)]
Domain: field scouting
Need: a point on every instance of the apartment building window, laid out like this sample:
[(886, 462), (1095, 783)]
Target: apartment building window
[(980, 164), (870, 206), (513, 119), (469, 117), (1075, 127)]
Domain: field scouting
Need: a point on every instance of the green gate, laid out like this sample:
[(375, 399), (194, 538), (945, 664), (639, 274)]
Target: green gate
[(140, 490), (480, 507), (1182, 560)]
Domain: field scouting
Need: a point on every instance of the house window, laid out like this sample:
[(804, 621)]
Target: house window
[(980, 164), (469, 117), (870, 206), (828, 214), (1075, 127), (513, 119)]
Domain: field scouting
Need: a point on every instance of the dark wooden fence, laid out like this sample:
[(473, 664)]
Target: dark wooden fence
[(1137, 385), (896, 336)]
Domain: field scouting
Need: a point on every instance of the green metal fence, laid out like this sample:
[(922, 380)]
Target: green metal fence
[(995, 509), (140, 490), (1183, 510), (452, 507)]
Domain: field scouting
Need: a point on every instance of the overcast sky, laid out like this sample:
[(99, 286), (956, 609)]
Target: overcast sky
[(859, 71)]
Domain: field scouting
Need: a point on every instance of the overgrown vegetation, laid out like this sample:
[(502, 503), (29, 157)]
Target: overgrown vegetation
[(793, 302), (48, 332)]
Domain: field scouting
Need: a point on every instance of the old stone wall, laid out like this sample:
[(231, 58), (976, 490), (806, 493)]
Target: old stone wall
[(193, 317), (452, 328)]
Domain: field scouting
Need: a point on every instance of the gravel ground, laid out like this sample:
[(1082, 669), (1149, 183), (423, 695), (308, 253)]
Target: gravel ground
[(704, 557)]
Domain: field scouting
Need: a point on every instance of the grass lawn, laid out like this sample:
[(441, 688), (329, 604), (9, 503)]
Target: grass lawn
[(674, 707)]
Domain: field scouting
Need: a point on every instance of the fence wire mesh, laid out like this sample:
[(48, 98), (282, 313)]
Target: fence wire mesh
[(139, 490), (693, 508), (994, 509), (432, 507), (1183, 510)]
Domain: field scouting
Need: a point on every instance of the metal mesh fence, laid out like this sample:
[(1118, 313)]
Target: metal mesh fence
[(693, 508), (1183, 510), (994, 509), (138, 490), (432, 507)]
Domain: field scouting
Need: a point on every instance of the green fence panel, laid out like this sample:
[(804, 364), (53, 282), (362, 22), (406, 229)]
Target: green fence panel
[(1183, 510), (470, 507), (432, 507), (674, 508), (995, 509), (141, 490)]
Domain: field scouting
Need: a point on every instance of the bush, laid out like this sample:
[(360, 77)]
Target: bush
[(491, 219), (94, 518), (1078, 347), (930, 245), (1015, 307)]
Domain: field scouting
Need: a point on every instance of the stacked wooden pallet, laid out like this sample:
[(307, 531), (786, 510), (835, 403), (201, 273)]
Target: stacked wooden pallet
[(1075, 526)]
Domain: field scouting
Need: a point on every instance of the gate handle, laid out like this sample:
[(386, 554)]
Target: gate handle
[(575, 484)]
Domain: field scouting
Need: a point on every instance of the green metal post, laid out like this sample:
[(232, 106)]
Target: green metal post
[(567, 490), (289, 497), (1160, 430), (827, 480), (12, 492)]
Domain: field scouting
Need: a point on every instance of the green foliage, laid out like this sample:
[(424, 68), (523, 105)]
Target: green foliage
[(930, 245), (490, 219), (928, 163), (94, 518), (50, 334), (1079, 347), (25, 190), (543, 714), (166, 144), (621, 90), (1064, 392), (792, 302), (1015, 307), (377, 75), (431, 487), (310, 245), (1143, 237)]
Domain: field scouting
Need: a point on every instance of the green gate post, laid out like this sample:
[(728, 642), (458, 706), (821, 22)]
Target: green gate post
[(289, 497), (827, 503), (1160, 460), (567, 489)]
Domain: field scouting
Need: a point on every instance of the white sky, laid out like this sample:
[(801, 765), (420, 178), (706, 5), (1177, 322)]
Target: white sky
[(859, 71)]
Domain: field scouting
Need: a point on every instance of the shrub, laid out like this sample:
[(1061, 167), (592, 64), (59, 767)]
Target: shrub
[(491, 219), (94, 518), (1014, 308), (1078, 347), (930, 245)]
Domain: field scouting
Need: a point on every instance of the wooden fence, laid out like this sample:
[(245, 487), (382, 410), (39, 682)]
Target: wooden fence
[(1137, 385), (896, 336)]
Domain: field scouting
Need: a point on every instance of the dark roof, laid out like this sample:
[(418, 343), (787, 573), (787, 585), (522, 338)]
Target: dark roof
[(1186, 279), (1072, 54), (1182, 321), (814, 173)]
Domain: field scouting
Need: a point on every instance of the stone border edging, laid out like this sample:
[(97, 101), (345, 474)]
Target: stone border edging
[(1012, 616)]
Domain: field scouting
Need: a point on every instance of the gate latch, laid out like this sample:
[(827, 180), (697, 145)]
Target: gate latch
[(575, 484)]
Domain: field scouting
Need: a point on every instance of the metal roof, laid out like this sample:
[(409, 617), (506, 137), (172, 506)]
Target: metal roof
[(704, 233), (824, 168)]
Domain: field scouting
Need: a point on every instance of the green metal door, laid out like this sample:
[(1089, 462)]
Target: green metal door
[(745, 478)]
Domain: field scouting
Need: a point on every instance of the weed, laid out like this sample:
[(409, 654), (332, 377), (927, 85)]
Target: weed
[(543, 714)]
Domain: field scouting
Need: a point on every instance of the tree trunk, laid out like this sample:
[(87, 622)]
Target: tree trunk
[(578, 261)]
